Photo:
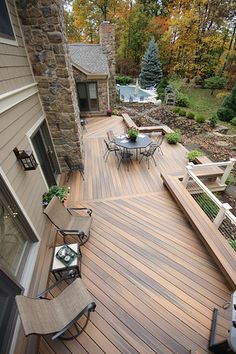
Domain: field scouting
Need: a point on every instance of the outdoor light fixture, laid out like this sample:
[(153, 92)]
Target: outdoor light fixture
[(26, 158)]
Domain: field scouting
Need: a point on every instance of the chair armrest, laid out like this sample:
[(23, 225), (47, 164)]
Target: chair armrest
[(63, 231), (89, 211), (40, 295)]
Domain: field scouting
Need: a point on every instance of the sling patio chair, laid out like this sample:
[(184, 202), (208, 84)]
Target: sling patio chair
[(68, 221), (111, 135), (55, 316)]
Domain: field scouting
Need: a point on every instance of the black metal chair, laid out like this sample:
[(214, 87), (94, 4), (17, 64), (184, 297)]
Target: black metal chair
[(149, 153), (125, 156), (74, 167), (110, 135), (110, 147), (159, 141)]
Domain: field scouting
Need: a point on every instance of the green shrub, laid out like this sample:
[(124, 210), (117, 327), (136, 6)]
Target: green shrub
[(190, 115), (225, 114), (232, 244), (176, 110), (182, 100), (230, 180), (233, 121), (207, 205), (200, 119), (192, 155), (124, 80), (215, 83), (182, 112), (213, 120), (161, 88), (60, 191), (174, 137)]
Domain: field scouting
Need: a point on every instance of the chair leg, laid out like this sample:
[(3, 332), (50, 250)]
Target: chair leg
[(141, 158), (68, 176), (154, 160), (119, 164), (104, 155)]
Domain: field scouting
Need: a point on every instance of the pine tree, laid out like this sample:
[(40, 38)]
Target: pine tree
[(228, 109), (151, 72)]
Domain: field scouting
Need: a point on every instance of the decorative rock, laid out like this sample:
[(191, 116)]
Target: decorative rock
[(222, 143)]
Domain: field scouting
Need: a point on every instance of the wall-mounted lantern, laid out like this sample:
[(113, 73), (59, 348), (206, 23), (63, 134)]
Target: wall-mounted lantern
[(26, 158)]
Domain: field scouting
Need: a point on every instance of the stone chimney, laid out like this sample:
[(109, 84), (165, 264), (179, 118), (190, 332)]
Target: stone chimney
[(43, 26), (107, 40)]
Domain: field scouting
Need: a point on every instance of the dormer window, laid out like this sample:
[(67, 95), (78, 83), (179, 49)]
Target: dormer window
[(7, 34)]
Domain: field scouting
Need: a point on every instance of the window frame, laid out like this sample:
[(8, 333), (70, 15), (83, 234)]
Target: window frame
[(86, 83), (10, 41)]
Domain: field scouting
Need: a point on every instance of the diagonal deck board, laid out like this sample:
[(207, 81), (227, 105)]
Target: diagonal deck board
[(153, 281)]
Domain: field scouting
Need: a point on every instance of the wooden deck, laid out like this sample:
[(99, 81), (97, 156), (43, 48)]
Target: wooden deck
[(153, 281)]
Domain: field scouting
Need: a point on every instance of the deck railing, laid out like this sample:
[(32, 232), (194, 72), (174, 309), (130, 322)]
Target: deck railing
[(217, 211)]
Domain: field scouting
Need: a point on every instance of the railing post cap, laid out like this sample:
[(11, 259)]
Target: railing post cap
[(226, 206)]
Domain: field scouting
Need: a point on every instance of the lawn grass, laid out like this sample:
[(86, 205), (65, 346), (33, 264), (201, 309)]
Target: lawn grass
[(202, 103)]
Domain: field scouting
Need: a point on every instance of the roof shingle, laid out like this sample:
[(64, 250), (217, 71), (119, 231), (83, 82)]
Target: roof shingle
[(89, 57)]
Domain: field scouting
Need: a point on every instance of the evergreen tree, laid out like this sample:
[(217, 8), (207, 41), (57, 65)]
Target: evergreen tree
[(151, 72), (228, 109)]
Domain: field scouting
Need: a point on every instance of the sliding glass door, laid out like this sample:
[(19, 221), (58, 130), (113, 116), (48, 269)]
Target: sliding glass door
[(88, 96), (16, 238)]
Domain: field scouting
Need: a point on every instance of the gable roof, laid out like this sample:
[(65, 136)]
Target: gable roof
[(89, 57)]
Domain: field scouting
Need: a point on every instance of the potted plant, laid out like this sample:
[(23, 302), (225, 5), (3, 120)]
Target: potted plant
[(60, 191), (133, 133), (109, 112), (193, 155)]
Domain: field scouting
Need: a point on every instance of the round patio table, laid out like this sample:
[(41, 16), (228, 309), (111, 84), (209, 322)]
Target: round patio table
[(141, 142)]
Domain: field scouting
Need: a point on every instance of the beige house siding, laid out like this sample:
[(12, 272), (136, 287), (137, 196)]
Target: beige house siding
[(101, 87), (15, 71)]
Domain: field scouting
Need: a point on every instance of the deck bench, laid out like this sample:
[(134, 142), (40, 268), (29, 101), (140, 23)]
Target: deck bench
[(214, 241)]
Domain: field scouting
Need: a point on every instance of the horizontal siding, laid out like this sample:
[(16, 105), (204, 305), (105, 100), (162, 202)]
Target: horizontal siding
[(14, 124), (15, 69)]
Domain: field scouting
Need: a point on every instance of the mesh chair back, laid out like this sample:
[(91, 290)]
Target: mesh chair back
[(160, 139), (110, 135), (57, 213), (152, 149)]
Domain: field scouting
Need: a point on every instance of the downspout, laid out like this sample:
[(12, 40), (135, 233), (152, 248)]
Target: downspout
[(108, 92)]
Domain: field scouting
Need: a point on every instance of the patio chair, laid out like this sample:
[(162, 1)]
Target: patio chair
[(159, 141), (110, 147), (125, 156), (74, 167), (110, 135), (55, 316), (149, 153), (67, 220)]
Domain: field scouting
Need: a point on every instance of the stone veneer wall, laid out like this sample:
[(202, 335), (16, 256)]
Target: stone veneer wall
[(43, 26), (102, 90), (107, 40)]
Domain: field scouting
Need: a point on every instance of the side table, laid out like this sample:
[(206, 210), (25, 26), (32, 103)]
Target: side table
[(72, 270)]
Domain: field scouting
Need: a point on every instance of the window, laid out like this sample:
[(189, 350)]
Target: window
[(6, 29)]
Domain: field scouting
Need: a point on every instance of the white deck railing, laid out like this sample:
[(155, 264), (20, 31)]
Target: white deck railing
[(222, 217)]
